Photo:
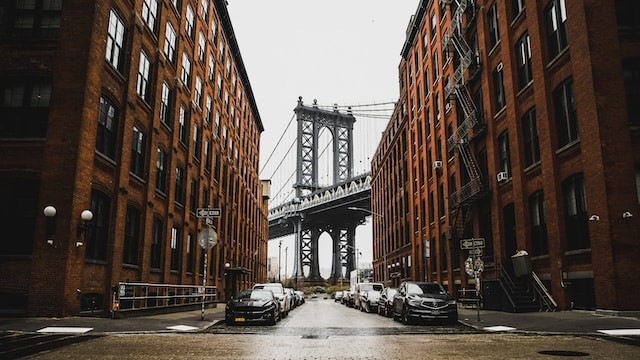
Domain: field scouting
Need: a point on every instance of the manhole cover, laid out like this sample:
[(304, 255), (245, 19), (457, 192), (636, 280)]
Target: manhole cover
[(315, 337), (563, 353)]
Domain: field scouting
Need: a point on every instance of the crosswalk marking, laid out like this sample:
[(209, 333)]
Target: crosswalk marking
[(65, 330), (182, 328), (499, 328), (621, 332)]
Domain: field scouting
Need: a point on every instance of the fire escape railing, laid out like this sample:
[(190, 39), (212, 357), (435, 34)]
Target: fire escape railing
[(456, 90)]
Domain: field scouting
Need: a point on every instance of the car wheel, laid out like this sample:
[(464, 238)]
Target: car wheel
[(274, 317), (229, 322)]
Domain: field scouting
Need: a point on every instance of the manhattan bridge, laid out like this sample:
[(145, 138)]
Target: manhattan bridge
[(321, 183)]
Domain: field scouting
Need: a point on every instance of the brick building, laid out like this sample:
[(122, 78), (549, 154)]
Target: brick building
[(518, 122), (140, 111)]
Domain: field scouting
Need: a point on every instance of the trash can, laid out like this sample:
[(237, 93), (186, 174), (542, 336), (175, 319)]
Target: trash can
[(521, 263)]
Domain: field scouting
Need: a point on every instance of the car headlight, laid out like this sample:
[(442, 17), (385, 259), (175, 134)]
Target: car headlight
[(451, 302)]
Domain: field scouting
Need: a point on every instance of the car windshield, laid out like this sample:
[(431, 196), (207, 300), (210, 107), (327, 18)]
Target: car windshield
[(425, 289), (391, 292), (275, 288), (368, 287), (255, 295)]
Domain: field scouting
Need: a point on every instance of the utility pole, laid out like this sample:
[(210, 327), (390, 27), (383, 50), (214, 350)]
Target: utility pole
[(279, 263), (286, 261)]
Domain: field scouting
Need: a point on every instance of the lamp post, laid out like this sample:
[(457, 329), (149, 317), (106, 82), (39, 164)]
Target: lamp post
[(50, 213), (384, 241), (83, 228), (286, 261), (279, 263), (356, 252)]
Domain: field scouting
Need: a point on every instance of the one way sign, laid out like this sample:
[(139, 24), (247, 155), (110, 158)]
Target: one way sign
[(208, 212)]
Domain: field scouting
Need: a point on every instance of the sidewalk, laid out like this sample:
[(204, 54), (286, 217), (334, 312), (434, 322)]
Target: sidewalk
[(576, 322), (170, 322)]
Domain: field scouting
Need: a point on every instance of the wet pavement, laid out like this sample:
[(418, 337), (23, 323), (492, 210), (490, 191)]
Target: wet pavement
[(323, 329)]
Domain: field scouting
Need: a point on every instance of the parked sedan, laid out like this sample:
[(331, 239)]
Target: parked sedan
[(385, 305), (423, 301), (256, 305)]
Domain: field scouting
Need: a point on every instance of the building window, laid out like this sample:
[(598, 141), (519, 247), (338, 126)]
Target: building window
[(565, 111), (207, 111), (197, 142), (517, 7), (201, 46), (165, 105), (505, 158), (193, 196), (638, 183), (115, 42), (211, 67), (627, 13), (530, 137), (175, 248), (185, 74), (441, 209), (138, 152), (494, 31), (179, 193), (170, 43), (131, 236), (190, 253), (631, 74), (575, 201), (20, 209), (156, 244), (538, 224), (106, 136), (556, 24), (477, 101), (98, 233), (523, 59), (207, 156), (150, 13), (197, 94), (498, 89), (204, 9), (183, 125), (25, 108), (161, 171), (443, 253), (144, 71), (434, 24), (36, 19), (435, 68), (189, 23)]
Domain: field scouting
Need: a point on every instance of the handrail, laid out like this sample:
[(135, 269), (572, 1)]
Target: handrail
[(543, 292), (130, 296)]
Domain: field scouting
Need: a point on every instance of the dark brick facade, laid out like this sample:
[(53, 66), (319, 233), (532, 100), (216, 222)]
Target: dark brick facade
[(67, 167), (603, 157)]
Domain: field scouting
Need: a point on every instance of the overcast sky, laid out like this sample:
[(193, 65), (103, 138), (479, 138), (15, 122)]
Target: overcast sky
[(336, 51)]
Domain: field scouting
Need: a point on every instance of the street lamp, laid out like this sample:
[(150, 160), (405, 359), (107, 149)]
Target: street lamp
[(83, 228), (356, 252), (279, 263), (384, 241), (50, 213)]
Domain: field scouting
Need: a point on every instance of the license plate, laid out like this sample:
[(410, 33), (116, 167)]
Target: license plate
[(240, 319), (435, 312)]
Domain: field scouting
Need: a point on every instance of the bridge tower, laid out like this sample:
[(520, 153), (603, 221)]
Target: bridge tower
[(311, 120)]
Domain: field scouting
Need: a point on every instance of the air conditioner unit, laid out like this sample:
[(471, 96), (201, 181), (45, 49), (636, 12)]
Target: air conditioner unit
[(502, 176), (437, 165)]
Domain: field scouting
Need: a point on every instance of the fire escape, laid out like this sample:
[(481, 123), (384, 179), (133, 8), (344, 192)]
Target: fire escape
[(467, 66)]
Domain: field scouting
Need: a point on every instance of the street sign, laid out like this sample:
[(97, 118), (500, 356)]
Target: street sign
[(467, 244), (475, 252), (208, 212)]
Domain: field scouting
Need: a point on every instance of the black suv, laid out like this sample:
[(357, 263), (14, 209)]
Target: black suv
[(423, 300)]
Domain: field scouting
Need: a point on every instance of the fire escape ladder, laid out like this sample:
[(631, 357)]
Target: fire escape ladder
[(461, 201)]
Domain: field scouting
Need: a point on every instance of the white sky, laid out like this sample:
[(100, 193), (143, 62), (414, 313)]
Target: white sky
[(337, 51)]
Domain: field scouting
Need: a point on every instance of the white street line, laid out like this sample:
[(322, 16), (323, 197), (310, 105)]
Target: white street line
[(65, 330), (621, 332), (182, 328), (499, 328)]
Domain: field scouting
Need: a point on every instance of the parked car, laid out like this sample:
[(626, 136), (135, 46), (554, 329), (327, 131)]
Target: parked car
[(366, 296), (385, 304), (280, 294), (292, 296), (423, 301), (256, 305), (347, 298), (300, 296), (337, 297)]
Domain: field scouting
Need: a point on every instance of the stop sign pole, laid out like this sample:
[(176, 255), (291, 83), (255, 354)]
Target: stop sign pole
[(207, 238), (474, 265)]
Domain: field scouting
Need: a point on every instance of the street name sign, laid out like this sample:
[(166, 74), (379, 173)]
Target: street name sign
[(467, 244), (208, 212)]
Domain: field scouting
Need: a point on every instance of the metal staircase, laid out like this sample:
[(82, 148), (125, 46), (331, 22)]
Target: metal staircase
[(456, 89)]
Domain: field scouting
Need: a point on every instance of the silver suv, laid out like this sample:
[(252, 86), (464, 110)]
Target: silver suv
[(367, 296), (282, 296)]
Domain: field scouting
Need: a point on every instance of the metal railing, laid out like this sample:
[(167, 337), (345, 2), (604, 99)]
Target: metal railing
[(140, 296)]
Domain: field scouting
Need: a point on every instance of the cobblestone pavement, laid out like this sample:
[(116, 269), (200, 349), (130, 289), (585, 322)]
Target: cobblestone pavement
[(324, 330), (246, 346)]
